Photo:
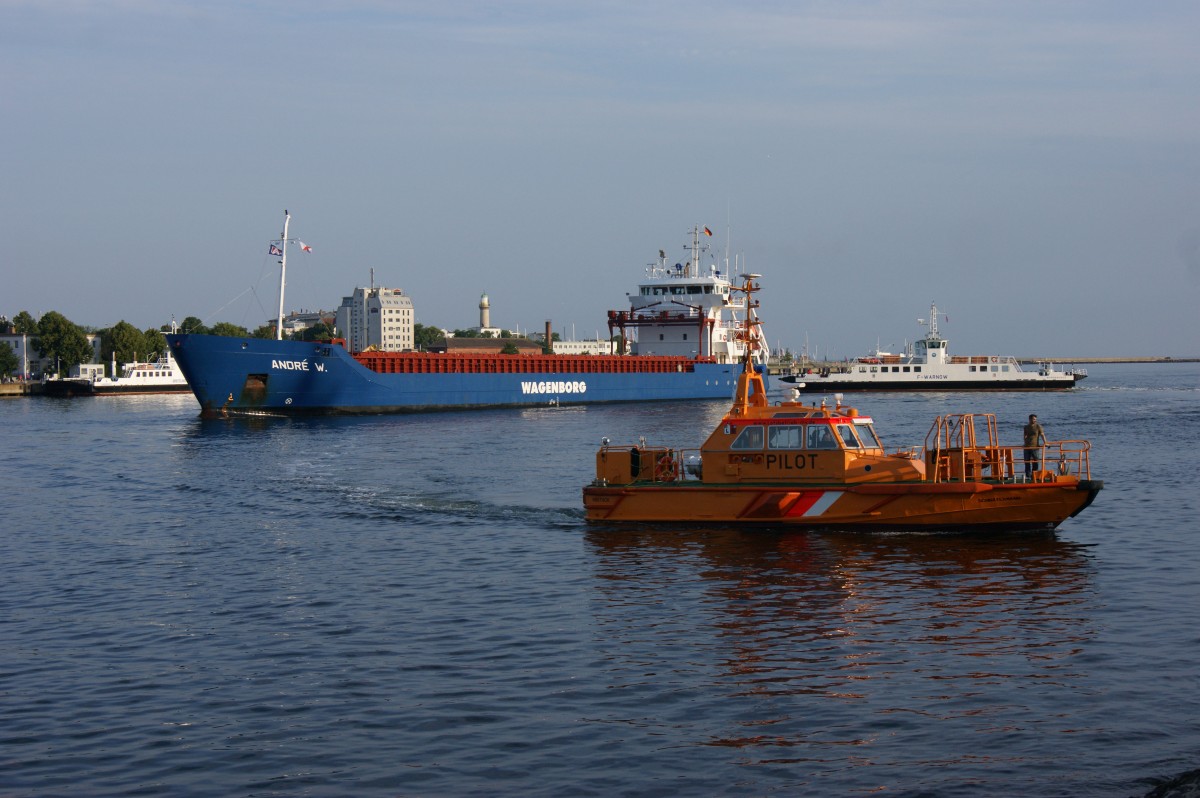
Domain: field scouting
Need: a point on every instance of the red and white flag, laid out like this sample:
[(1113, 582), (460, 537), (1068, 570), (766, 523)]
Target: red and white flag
[(304, 246)]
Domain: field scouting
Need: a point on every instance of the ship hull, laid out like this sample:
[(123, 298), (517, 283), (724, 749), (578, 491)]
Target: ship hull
[(249, 376), (914, 507)]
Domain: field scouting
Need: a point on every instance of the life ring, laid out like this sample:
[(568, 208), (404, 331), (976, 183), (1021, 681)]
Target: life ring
[(666, 468), (995, 360)]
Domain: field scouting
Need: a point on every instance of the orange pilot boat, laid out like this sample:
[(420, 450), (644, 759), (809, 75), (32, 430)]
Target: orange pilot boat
[(794, 465)]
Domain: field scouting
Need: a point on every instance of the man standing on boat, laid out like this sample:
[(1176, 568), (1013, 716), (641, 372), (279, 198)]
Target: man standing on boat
[(1035, 437)]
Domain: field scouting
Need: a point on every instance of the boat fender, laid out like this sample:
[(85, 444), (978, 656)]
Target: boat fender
[(1063, 468)]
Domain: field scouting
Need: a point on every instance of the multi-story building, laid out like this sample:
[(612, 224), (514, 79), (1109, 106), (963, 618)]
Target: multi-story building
[(299, 320), (376, 317)]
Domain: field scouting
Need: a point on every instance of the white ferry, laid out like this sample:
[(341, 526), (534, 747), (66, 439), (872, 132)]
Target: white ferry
[(156, 376), (687, 310), (929, 367)]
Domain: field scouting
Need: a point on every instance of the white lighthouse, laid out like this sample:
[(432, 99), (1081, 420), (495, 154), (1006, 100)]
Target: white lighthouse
[(485, 321)]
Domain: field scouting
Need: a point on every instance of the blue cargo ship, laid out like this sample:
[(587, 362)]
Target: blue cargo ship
[(685, 343)]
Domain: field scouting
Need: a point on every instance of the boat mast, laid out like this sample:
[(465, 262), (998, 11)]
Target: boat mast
[(694, 266), (282, 277), (751, 390)]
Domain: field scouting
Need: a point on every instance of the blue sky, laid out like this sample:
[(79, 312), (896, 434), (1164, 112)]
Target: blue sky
[(1032, 167)]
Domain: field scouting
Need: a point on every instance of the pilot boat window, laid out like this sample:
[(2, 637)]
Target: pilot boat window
[(847, 435), (749, 438), (866, 433), (820, 436), (785, 437)]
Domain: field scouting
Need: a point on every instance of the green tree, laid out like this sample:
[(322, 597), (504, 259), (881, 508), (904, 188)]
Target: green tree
[(8, 360), (265, 331), (124, 342), (510, 348), (62, 341), (426, 338), (318, 332), (470, 334), (25, 323), (228, 329), (156, 342), (193, 325)]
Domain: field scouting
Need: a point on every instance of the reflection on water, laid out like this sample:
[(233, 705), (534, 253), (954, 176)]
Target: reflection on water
[(803, 626)]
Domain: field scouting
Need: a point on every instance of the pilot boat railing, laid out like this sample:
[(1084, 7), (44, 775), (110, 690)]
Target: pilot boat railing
[(964, 448)]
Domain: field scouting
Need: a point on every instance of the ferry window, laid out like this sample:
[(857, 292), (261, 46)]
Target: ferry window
[(1004, 368), (867, 434), (695, 289), (916, 368), (820, 436), (749, 438), (685, 336), (847, 435), (995, 368), (785, 437), (895, 369), (906, 369)]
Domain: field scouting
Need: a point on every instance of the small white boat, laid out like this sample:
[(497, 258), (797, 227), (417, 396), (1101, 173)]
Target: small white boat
[(156, 376), (929, 367)]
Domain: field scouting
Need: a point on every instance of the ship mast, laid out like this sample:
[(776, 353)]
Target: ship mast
[(751, 390), (282, 276)]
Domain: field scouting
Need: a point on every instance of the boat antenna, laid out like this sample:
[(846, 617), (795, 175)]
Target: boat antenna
[(282, 277)]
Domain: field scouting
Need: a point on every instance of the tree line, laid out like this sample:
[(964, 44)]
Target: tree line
[(60, 341)]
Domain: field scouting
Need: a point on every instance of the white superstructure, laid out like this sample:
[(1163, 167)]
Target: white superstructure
[(687, 310)]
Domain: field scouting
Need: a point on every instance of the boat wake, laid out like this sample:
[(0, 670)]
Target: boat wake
[(359, 503)]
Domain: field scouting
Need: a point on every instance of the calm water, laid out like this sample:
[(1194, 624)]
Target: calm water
[(413, 605)]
